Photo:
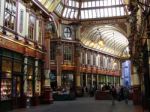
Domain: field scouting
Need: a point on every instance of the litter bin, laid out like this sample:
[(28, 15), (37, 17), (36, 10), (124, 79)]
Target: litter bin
[(28, 101)]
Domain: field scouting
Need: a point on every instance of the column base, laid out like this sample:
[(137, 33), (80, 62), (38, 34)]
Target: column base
[(79, 91), (136, 96), (47, 95)]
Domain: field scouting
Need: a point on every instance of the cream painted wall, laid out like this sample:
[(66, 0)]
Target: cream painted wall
[(37, 30)]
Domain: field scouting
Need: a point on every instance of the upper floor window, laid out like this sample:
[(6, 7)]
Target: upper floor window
[(94, 59), (88, 58), (67, 53), (32, 22), (10, 14), (83, 57)]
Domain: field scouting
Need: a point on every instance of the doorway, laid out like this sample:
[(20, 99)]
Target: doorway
[(17, 89)]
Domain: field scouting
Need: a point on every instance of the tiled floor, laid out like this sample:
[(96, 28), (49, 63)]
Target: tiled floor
[(87, 104)]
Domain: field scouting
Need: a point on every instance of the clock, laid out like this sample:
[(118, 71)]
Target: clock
[(67, 33)]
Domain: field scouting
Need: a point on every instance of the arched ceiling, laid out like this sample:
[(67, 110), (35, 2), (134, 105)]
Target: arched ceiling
[(86, 9), (115, 41)]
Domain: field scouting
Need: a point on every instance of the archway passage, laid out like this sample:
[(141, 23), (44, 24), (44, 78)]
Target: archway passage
[(115, 41)]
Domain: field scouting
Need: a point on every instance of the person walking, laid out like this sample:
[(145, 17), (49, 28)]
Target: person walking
[(126, 94), (113, 94)]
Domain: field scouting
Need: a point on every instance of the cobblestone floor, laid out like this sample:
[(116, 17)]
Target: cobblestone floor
[(87, 104)]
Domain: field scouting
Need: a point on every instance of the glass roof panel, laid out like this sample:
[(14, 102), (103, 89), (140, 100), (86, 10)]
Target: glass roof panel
[(91, 9)]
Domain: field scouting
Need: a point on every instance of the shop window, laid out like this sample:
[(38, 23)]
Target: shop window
[(5, 89), (6, 79), (10, 14), (31, 27), (67, 53)]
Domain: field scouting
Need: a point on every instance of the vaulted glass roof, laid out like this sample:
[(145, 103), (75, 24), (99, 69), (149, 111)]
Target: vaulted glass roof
[(91, 9), (115, 41), (86, 9)]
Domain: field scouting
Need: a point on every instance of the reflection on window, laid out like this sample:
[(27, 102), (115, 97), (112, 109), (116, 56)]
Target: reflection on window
[(10, 14), (31, 27)]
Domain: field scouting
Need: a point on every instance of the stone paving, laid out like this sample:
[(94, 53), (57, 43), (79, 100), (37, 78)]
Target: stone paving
[(87, 104)]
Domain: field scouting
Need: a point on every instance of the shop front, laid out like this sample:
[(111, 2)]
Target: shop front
[(15, 85), (11, 78)]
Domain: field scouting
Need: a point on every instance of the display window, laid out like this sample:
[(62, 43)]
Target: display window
[(11, 67), (16, 86), (6, 84), (29, 81), (5, 89)]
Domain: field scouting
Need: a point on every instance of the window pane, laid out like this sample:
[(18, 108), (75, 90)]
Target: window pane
[(90, 14), (101, 12), (89, 4), (109, 2), (118, 11), (65, 11), (102, 3), (77, 4), (86, 13), (82, 14), (114, 11), (97, 12), (93, 3), (97, 3), (76, 13), (122, 11), (94, 13), (72, 13), (110, 12), (106, 12), (105, 2)]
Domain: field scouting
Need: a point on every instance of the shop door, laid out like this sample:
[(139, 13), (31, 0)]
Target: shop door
[(17, 81)]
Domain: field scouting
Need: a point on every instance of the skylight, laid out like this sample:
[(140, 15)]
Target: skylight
[(91, 9)]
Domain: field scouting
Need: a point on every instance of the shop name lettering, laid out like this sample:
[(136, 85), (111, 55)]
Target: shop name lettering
[(5, 43)]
